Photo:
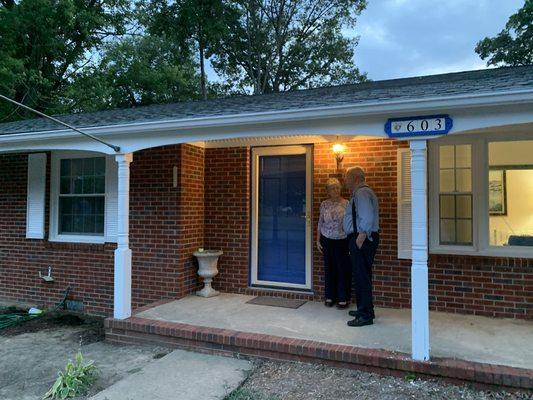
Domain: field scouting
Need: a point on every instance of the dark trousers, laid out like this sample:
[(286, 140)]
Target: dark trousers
[(337, 268), (362, 260)]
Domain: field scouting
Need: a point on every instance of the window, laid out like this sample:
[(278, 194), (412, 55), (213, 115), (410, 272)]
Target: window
[(481, 195), (510, 193), (82, 196), (455, 194)]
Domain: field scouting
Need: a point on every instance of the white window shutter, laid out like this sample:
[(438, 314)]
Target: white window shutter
[(36, 196), (404, 203), (111, 204)]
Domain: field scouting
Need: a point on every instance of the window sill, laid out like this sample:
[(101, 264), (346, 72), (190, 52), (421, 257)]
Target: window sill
[(78, 239), (508, 252)]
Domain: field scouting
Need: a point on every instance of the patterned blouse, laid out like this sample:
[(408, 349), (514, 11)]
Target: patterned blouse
[(331, 217)]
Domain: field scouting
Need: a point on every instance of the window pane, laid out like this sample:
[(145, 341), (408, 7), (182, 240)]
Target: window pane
[(464, 206), (463, 156), (88, 166), (447, 206), (446, 156), (463, 180), (99, 166), (447, 231), (464, 231), (81, 215), (447, 180), (65, 168)]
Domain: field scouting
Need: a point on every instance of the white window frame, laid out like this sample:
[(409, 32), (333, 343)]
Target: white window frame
[(282, 150), (480, 212), (54, 235)]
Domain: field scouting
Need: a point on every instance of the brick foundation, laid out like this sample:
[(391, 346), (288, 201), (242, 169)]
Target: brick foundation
[(228, 342)]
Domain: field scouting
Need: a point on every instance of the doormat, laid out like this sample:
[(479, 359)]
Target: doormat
[(276, 302)]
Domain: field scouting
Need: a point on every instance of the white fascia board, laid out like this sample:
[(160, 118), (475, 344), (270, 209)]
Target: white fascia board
[(433, 104)]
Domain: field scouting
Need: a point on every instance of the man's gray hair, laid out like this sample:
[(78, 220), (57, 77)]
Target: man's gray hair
[(356, 171)]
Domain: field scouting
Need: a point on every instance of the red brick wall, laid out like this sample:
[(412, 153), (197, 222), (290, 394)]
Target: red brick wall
[(165, 222), (87, 269), (166, 226), (227, 214), (472, 285)]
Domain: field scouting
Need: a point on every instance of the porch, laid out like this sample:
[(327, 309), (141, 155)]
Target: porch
[(465, 348)]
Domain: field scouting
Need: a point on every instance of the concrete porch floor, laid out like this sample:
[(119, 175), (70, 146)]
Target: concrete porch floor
[(471, 338)]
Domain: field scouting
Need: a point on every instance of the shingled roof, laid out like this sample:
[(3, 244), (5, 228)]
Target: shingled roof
[(469, 82)]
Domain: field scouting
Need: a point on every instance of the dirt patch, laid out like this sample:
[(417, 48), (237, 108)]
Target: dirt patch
[(273, 380), (93, 327)]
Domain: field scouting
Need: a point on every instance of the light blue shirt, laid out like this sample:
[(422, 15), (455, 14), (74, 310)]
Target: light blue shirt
[(367, 210)]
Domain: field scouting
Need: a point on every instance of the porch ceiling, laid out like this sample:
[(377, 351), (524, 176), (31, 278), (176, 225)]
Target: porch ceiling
[(472, 338)]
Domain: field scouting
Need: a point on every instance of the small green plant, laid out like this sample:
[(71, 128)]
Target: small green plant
[(74, 381), (410, 377)]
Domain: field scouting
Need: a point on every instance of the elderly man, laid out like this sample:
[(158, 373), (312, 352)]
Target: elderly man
[(361, 224)]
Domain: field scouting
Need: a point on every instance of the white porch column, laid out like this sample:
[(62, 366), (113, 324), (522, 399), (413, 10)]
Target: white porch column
[(419, 267), (122, 295)]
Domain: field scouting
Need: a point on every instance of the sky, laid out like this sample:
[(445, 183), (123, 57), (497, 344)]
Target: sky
[(401, 38)]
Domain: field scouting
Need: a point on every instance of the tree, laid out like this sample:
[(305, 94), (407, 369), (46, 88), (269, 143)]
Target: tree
[(135, 71), (44, 43), (279, 45), (202, 22), (514, 44)]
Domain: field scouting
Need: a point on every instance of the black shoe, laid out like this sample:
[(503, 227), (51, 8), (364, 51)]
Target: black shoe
[(342, 306), (355, 313), (329, 303), (360, 322)]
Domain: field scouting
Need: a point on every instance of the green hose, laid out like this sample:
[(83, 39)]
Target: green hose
[(12, 319)]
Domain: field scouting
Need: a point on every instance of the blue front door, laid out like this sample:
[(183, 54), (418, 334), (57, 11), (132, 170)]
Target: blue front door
[(281, 219)]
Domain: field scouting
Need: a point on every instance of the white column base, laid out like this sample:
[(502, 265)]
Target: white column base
[(122, 298), (420, 310)]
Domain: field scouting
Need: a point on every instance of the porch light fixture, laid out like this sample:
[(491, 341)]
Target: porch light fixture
[(339, 149)]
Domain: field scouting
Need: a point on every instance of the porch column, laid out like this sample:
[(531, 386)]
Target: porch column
[(419, 267), (122, 295)]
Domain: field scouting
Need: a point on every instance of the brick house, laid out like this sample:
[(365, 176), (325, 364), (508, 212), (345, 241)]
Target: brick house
[(119, 228)]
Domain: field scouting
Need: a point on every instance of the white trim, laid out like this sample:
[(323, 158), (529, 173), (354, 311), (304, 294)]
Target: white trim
[(304, 114), (281, 150), (480, 213), (53, 235)]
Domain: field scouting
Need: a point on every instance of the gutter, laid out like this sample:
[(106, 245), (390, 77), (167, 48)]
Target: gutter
[(347, 110)]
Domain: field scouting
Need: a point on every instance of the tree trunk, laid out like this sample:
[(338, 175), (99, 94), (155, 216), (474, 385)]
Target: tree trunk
[(203, 90)]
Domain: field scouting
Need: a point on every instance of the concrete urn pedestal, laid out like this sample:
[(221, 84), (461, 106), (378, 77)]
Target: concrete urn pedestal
[(207, 269)]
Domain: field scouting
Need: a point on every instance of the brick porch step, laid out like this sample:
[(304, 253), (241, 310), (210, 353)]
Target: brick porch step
[(137, 330)]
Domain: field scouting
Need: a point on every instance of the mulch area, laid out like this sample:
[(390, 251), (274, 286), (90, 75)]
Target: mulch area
[(93, 327), (273, 380)]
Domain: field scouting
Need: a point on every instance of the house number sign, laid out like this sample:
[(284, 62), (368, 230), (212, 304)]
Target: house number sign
[(427, 125)]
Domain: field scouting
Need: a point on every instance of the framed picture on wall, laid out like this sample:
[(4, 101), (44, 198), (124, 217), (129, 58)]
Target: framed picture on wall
[(497, 192)]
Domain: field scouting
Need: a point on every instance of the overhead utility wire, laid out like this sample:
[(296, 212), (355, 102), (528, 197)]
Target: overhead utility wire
[(116, 148)]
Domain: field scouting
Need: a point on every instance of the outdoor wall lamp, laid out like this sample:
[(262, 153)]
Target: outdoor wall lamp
[(339, 149)]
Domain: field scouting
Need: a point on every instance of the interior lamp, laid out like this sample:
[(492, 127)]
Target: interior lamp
[(339, 150)]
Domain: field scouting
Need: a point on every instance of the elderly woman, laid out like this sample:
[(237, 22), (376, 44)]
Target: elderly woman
[(332, 243)]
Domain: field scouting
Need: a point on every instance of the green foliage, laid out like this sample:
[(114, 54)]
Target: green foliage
[(245, 394), (74, 381), (43, 43), (135, 71), (202, 24), (514, 44), (287, 45)]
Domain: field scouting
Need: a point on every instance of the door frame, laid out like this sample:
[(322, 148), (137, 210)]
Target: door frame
[(280, 151)]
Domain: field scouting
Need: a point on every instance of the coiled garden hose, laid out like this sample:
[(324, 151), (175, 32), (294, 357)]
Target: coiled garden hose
[(12, 319)]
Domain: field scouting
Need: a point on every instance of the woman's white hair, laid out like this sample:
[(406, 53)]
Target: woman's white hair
[(333, 182)]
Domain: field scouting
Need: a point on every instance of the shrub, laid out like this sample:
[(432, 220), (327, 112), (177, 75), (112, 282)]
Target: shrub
[(74, 381)]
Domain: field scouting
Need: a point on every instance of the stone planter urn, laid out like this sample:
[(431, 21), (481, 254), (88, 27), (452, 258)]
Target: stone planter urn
[(207, 269)]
